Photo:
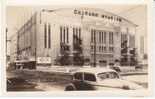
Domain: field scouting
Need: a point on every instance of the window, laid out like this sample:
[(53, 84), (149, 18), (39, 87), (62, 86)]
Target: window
[(61, 34), (100, 37), (111, 49), (79, 35), (92, 36), (76, 36), (67, 35), (78, 76), (111, 38), (86, 13), (76, 33), (75, 11), (79, 12), (89, 77), (105, 48), (123, 37), (105, 37), (100, 48), (49, 36), (73, 35), (64, 34), (92, 48), (45, 35), (96, 15)]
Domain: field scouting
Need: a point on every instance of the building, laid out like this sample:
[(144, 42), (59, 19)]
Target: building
[(26, 39), (75, 36), (13, 47), (141, 37)]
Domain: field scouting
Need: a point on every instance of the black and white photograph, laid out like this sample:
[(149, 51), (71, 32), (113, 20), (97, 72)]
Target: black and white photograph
[(77, 48)]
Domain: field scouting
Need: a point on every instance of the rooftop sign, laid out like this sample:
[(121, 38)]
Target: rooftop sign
[(95, 14)]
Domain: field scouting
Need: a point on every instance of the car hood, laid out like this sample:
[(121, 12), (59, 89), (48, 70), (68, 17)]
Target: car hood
[(120, 83)]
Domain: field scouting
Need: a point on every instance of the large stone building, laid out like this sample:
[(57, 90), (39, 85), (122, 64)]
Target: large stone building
[(92, 35)]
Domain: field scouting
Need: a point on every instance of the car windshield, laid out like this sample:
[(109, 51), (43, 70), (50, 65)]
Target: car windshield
[(108, 75)]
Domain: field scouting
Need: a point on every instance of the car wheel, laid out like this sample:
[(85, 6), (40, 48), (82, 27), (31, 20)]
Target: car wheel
[(70, 88)]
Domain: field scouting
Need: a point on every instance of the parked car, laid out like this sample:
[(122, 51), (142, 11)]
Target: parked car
[(19, 84), (99, 79), (23, 64), (116, 68)]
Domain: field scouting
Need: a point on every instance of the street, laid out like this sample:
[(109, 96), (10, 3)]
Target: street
[(139, 79), (53, 81)]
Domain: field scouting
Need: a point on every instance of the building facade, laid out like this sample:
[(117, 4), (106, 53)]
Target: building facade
[(13, 47), (75, 36)]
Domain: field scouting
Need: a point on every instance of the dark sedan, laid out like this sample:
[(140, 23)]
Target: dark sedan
[(20, 84)]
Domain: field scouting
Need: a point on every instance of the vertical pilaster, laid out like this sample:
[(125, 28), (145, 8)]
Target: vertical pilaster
[(70, 34)]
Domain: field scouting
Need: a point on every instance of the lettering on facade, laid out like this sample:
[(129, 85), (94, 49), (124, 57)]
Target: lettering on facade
[(95, 14)]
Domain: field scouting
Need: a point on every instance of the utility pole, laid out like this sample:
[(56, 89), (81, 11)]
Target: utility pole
[(6, 42), (6, 49), (17, 46), (94, 48)]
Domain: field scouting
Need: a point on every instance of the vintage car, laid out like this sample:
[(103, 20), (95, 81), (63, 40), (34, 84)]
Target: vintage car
[(23, 64), (116, 68), (19, 84), (99, 78)]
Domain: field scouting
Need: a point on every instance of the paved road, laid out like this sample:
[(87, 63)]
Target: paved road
[(50, 86), (139, 79), (47, 81)]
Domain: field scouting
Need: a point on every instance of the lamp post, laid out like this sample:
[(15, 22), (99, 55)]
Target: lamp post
[(94, 48), (7, 40)]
